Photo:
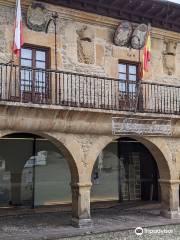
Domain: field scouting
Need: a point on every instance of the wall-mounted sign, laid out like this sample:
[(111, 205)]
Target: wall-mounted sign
[(138, 126)]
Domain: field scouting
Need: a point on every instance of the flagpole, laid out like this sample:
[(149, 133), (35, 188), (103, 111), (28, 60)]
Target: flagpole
[(12, 54), (53, 19), (140, 75), (139, 83)]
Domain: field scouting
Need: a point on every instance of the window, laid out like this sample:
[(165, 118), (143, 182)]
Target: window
[(128, 77), (36, 58)]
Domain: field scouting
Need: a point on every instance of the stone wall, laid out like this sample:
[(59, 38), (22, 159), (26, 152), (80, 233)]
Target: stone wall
[(85, 44)]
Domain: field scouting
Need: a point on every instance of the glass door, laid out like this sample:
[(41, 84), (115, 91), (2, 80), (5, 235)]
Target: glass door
[(128, 80), (34, 80)]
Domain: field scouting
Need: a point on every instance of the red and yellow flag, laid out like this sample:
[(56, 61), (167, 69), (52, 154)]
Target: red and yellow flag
[(146, 55)]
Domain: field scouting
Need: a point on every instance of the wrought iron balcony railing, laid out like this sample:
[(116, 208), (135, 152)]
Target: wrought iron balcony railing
[(39, 86)]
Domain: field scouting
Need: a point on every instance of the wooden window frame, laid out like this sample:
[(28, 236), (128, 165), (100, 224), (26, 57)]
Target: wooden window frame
[(36, 48), (32, 95), (127, 95), (130, 63)]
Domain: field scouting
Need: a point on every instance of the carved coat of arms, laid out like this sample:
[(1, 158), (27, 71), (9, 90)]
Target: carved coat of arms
[(123, 34), (139, 36), (37, 16)]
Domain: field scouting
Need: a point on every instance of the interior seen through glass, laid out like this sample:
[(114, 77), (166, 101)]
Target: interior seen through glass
[(33, 172)]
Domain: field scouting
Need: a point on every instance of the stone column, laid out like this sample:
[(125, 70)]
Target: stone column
[(81, 216), (16, 188), (170, 198)]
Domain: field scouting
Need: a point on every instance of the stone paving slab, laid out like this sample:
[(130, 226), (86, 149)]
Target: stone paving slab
[(56, 225)]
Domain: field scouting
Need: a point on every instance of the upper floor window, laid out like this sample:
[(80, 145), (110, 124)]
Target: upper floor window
[(33, 76), (128, 77), (34, 57)]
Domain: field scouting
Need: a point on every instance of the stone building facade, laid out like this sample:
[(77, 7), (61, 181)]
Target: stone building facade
[(85, 48)]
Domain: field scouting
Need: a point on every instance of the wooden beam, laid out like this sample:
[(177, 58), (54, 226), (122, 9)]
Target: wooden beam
[(114, 2), (158, 12), (136, 6)]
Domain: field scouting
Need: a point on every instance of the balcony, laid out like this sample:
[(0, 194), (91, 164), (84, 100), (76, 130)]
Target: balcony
[(39, 86)]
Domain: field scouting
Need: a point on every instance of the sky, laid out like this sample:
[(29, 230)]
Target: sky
[(176, 1)]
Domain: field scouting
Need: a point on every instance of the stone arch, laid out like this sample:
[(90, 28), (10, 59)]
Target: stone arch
[(161, 153), (62, 145), (156, 146)]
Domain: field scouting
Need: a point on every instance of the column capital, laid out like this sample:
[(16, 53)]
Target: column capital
[(81, 185), (169, 181)]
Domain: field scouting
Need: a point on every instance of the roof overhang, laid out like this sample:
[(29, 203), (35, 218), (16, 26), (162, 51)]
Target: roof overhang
[(159, 13)]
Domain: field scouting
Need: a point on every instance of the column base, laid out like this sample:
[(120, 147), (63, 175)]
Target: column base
[(170, 214), (81, 223)]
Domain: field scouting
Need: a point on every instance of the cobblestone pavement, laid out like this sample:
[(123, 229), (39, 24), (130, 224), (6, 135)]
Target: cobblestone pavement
[(57, 225), (170, 232)]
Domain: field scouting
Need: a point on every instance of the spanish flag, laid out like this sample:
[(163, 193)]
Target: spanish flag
[(146, 55)]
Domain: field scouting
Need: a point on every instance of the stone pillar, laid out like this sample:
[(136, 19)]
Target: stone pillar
[(170, 198), (81, 216), (16, 188)]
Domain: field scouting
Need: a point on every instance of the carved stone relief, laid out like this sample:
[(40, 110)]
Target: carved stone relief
[(86, 143), (2, 39), (126, 36), (123, 34), (139, 36), (85, 46), (141, 126), (173, 146), (37, 17), (5, 55), (169, 56)]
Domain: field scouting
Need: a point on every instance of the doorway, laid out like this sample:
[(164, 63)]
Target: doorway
[(125, 171)]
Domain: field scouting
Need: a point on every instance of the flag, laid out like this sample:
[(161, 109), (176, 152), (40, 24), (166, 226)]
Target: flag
[(18, 34), (146, 55)]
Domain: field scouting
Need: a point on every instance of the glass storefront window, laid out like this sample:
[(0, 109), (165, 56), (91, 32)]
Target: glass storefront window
[(125, 171), (105, 175), (32, 172)]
